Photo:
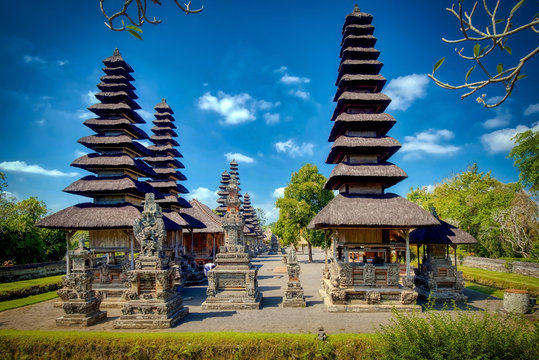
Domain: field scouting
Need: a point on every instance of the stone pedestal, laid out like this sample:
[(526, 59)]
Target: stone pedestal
[(274, 245), (232, 284), (79, 301), (516, 301), (293, 296)]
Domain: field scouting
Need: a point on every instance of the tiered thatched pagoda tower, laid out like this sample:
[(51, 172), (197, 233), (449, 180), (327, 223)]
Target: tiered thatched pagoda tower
[(249, 231), (115, 189), (221, 208), (365, 219)]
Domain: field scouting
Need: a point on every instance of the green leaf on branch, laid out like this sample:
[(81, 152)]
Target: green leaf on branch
[(508, 49), (499, 68), (134, 28), (135, 34), (499, 21), (515, 8), (122, 20), (476, 50), (468, 73), (438, 64), (521, 77), (483, 50)]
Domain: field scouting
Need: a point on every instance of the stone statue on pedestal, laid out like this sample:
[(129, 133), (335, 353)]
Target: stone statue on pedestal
[(293, 296)]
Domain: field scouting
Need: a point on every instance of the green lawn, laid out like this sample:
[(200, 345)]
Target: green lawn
[(485, 289), (21, 289), (500, 280), (29, 300)]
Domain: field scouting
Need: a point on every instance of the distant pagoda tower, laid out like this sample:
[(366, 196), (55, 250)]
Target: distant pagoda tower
[(163, 160), (233, 284), (221, 208), (249, 231), (234, 170), (366, 221)]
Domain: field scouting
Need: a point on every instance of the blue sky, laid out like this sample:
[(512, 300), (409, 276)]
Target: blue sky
[(247, 79)]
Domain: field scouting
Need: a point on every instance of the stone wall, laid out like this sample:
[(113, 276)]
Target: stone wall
[(517, 267), (31, 271)]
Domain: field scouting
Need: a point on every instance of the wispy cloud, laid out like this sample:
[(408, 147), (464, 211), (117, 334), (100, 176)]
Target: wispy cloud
[(272, 119), (30, 59), (500, 141), (83, 114), (22, 167), (291, 79), (431, 142), (239, 157), (79, 153), (205, 196), (502, 118), (404, 90), (305, 95), (146, 115), (294, 150), (279, 192), (531, 109), (89, 98), (235, 109)]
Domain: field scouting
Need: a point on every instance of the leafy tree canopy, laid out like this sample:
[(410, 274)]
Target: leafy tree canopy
[(526, 156)]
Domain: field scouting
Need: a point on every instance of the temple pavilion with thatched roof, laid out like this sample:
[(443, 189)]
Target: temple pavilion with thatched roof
[(437, 275), (364, 218), (115, 188)]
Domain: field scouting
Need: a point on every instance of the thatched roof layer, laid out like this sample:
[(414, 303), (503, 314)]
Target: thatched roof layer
[(444, 233), (381, 123), (96, 161), (384, 210), (386, 173), (100, 125), (204, 214), (117, 60), (90, 185), (384, 146)]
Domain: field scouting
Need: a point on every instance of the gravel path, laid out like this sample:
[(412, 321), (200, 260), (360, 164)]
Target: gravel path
[(271, 318)]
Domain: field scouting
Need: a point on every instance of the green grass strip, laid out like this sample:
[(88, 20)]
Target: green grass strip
[(29, 300), (20, 289), (487, 290), (501, 280)]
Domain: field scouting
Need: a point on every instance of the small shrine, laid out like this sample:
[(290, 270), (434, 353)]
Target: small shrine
[(293, 296), (152, 299), (232, 284), (437, 276), (79, 301), (274, 245), (365, 220)]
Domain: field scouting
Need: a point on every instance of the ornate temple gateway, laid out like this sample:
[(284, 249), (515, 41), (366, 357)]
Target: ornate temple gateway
[(232, 284), (366, 221)]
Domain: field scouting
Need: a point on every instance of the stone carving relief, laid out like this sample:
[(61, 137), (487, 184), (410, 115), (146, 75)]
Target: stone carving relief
[(368, 274)]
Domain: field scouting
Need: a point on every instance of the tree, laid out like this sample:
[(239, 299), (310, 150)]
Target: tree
[(261, 216), (20, 240), (303, 198), (525, 154), (481, 205), (141, 16), (497, 31)]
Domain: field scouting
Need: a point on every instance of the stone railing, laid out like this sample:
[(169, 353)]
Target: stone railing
[(517, 267), (31, 271)]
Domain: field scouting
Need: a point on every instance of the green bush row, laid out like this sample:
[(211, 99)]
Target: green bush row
[(73, 345), (501, 280), (21, 289)]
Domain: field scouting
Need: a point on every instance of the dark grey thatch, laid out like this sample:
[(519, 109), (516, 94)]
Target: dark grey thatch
[(96, 162), (444, 233), (374, 83), (358, 66), (377, 102), (359, 53), (89, 185), (366, 41), (386, 173), (171, 173), (380, 123), (168, 160), (164, 139), (168, 149), (117, 78), (384, 146), (163, 107), (164, 130), (384, 210), (358, 30), (117, 60), (97, 142), (201, 212), (118, 84), (120, 96), (164, 123), (357, 18), (100, 125)]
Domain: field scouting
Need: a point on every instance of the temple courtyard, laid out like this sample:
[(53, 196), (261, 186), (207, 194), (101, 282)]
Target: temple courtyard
[(272, 317)]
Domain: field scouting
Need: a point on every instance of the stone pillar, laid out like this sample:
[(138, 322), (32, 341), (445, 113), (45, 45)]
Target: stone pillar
[(132, 251), (516, 301), (68, 238), (293, 296), (407, 239)]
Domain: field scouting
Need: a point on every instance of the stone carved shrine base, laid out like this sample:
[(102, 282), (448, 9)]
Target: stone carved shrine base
[(232, 284)]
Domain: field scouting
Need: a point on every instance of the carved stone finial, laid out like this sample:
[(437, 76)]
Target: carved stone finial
[(149, 230), (164, 101), (356, 8), (116, 52)]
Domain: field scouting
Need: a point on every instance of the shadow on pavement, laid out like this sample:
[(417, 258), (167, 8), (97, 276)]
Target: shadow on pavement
[(200, 316), (271, 301)]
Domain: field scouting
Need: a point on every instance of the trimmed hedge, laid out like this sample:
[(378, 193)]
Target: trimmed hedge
[(88, 346), (501, 280), (21, 289)]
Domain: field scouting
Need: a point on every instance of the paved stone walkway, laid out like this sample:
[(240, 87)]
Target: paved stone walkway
[(271, 318)]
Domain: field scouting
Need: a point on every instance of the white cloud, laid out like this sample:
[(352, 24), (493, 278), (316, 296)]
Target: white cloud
[(33, 59), (294, 150), (404, 90), (40, 121), (205, 84), (281, 70), (502, 118), (239, 158), (531, 109), (79, 153), (9, 195), (300, 94), (279, 192), (144, 142), (235, 109), (83, 115), (21, 166), (291, 80), (428, 142), (500, 141), (205, 196), (89, 98), (62, 62), (272, 119), (146, 115)]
